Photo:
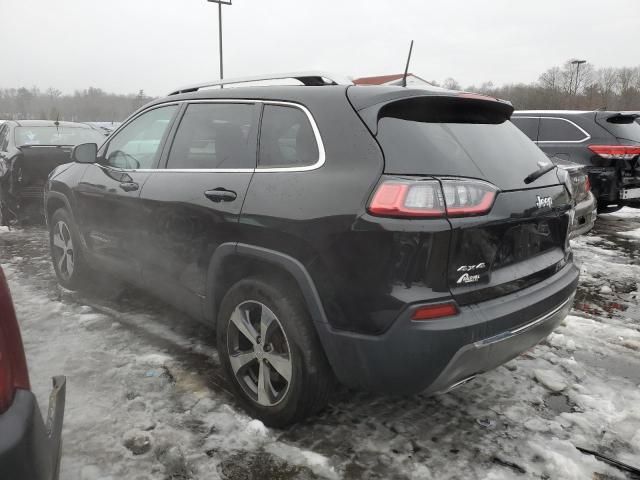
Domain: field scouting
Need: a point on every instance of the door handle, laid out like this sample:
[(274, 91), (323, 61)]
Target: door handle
[(129, 186), (221, 195)]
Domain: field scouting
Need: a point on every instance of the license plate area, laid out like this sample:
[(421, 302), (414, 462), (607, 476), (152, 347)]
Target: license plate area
[(629, 193)]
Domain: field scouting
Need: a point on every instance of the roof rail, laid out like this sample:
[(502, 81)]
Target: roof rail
[(307, 78)]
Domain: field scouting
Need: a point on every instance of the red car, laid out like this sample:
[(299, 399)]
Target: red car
[(29, 447)]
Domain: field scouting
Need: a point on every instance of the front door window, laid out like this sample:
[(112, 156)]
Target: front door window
[(137, 145)]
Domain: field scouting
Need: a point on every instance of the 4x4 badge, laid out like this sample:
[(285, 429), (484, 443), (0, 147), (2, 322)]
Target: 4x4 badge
[(471, 268), (543, 201)]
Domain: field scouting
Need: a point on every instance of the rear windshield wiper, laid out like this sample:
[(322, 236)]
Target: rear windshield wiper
[(532, 177)]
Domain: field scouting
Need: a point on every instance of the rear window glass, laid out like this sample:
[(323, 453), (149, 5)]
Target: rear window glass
[(57, 136), (623, 127), (497, 152), (559, 130), (286, 138)]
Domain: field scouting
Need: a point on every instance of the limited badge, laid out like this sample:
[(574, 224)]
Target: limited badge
[(466, 278)]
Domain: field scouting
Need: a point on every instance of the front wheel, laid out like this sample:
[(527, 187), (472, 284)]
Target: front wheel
[(270, 352), (66, 251)]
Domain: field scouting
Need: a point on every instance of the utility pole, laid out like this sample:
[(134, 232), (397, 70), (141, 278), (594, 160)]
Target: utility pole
[(220, 3), (577, 63)]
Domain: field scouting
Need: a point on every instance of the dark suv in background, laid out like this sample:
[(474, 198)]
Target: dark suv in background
[(398, 240), (29, 150), (608, 143)]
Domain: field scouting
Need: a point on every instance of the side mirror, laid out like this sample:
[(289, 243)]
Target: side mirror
[(85, 153)]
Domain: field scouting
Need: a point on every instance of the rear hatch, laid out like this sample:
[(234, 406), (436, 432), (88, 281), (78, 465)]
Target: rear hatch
[(623, 126), (32, 167), (514, 233), (625, 155)]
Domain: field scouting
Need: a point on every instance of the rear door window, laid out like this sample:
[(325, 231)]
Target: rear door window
[(287, 138), (215, 136), (560, 130), (528, 126)]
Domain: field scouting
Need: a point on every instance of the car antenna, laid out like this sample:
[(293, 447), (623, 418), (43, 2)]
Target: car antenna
[(406, 68)]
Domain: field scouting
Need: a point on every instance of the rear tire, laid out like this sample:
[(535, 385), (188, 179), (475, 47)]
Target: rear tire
[(66, 251), (270, 351)]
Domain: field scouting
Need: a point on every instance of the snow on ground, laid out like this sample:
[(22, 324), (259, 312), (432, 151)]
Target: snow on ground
[(147, 400)]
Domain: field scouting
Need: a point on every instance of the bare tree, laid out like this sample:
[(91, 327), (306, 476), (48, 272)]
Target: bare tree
[(551, 79), (584, 78), (451, 84)]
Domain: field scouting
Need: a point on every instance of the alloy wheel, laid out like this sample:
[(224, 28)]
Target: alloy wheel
[(259, 353), (63, 250)]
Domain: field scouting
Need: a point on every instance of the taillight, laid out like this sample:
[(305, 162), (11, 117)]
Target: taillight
[(395, 198), (616, 152), (13, 365), (468, 197), (454, 197), (587, 185), (431, 312)]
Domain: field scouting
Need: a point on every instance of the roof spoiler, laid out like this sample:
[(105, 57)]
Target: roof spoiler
[(461, 108), (312, 79), (617, 117)]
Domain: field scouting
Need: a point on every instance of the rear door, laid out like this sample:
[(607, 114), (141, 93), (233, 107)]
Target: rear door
[(192, 206), (523, 238), (562, 138)]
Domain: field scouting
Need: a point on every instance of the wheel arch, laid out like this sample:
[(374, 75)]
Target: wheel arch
[(54, 201), (233, 261)]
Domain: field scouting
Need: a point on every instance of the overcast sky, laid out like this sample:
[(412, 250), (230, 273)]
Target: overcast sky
[(127, 45)]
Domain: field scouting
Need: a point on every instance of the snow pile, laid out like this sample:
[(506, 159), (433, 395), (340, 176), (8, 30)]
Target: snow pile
[(551, 379)]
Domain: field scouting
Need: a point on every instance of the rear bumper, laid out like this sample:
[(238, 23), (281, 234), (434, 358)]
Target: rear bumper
[(586, 213), (431, 356), (489, 353), (29, 448), (608, 182)]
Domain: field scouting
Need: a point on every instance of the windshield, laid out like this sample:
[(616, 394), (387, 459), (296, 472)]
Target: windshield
[(56, 136)]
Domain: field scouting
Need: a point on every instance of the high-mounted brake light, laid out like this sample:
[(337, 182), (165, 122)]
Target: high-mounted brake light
[(616, 152), (477, 96), (453, 197), (438, 310), (13, 365)]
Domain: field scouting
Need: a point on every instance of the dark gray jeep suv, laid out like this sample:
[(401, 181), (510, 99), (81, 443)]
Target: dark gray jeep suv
[(607, 143), (393, 239)]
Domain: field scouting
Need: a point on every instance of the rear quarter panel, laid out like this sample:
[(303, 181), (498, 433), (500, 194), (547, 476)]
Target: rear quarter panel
[(311, 215)]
